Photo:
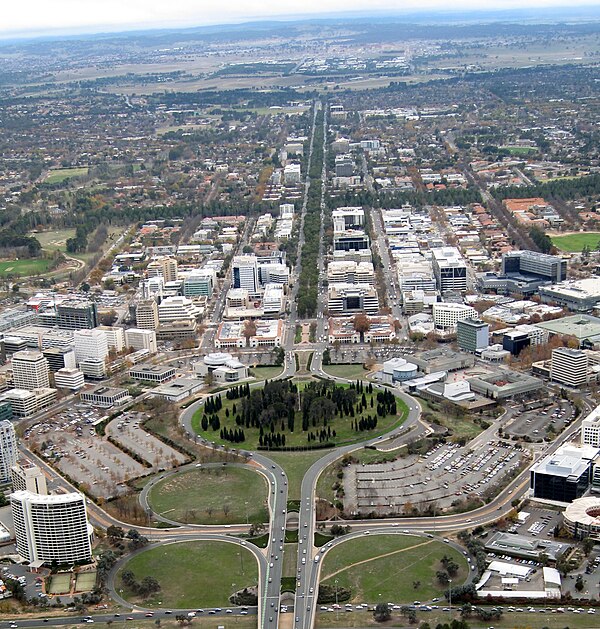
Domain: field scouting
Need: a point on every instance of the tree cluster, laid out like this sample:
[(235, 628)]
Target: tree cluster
[(147, 586)]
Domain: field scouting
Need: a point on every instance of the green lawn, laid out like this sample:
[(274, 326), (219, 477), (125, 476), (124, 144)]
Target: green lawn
[(192, 574), (212, 496), (24, 268), (345, 433), (266, 373), (54, 240), (576, 242), (295, 465), (290, 559), (520, 150), (392, 577), (460, 425), (60, 174), (85, 581), (351, 372)]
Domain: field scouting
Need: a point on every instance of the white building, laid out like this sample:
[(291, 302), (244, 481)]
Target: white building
[(90, 345), (223, 367), (292, 174), (164, 267), (350, 272), (176, 309), (68, 378), (446, 316), (30, 370), (146, 314), (141, 339), (115, 337), (590, 429), (569, 366), (51, 528), (272, 300), (286, 210), (26, 476), (25, 403), (352, 298), (9, 450), (274, 273), (346, 218)]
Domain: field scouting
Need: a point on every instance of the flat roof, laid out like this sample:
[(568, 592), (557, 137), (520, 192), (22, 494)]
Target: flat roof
[(579, 326)]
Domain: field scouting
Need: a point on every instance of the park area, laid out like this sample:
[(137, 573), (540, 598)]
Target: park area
[(212, 495), (191, 574), (398, 568), (298, 415), (25, 267), (574, 243), (62, 174)]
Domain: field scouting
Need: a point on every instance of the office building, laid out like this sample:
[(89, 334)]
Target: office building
[(352, 298), (273, 300), (447, 315), (450, 270), (164, 267), (59, 358), (244, 271), (141, 339), (472, 335), (9, 451), (6, 411), (348, 218), (576, 295), (93, 368), (152, 373), (569, 367), (69, 378), (90, 345), (344, 165), (51, 529), (176, 309), (564, 475), (538, 265), (200, 282), (292, 174), (26, 476), (273, 273), (590, 429), (504, 384), (350, 272), (30, 370), (115, 337), (76, 314), (105, 397), (351, 240), (25, 403), (146, 314)]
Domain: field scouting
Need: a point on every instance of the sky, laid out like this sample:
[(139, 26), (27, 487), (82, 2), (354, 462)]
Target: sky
[(49, 17)]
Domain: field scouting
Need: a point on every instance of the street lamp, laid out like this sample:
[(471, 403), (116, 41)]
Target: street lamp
[(337, 607), (246, 503), (450, 596)]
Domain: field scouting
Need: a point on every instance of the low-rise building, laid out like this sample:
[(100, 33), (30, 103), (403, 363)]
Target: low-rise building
[(504, 384), (222, 367), (152, 373), (69, 378), (105, 397), (179, 389)]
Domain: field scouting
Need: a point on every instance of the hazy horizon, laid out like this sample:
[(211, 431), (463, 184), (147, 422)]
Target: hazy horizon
[(38, 18)]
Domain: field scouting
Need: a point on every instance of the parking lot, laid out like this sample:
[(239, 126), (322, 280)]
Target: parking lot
[(447, 473), (535, 424), (70, 443)]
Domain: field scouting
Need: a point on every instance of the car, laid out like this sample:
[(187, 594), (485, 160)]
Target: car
[(149, 614), (212, 612), (228, 611), (167, 611)]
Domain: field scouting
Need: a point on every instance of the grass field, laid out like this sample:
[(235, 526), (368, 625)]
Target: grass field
[(345, 433), (520, 150), (295, 465), (576, 242), (290, 559), (460, 426), (508, 621), (60, 583), (387, 568), (85, 581), (351, 372), (24, 268), (265, 373), (54, 240), (60, 174), (192, 574), (212, 496)]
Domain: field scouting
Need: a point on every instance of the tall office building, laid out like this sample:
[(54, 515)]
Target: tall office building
[(164, 267), (450, 270), (146, 314), (76, 314), (59, 358), (90, 345), (30, 370), (115, 337), (8, 449), (141, 339), (28, 477), (472, 334), (245, 273), (200, 282), (51, 528), (569, 366)]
